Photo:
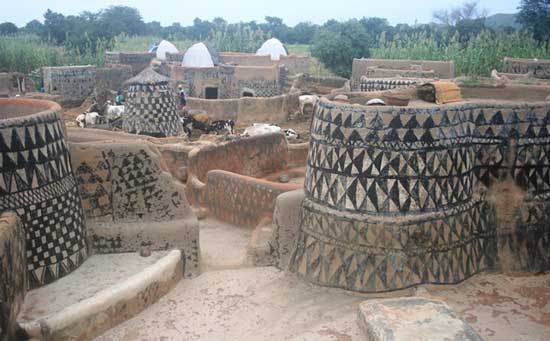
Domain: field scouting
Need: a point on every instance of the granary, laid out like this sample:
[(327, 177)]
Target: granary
[(273, 48), (151, 106)]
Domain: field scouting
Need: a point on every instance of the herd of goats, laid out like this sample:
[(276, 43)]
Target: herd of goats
[(112, 117)]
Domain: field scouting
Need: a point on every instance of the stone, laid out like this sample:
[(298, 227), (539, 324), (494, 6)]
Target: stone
[(284, 179), (412, 319), (145, 252), (286, 224)]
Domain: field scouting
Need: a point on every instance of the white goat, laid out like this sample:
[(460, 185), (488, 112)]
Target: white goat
[(260, 129), (113, 112), (307, 99), (88, 119)]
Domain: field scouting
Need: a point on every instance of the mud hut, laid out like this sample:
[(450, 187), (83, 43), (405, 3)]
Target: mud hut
[(151, 106)]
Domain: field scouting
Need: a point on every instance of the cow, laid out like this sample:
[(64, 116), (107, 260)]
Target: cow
[(89, 118)]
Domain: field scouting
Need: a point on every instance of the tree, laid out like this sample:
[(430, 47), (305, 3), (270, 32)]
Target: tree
[(337, 43), (121, 19), (8, 28), (54, 26), (34, 27), (302, 33), (467, 11), (534, 15)]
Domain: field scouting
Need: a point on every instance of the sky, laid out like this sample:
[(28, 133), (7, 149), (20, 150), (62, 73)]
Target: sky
[(292, 11)]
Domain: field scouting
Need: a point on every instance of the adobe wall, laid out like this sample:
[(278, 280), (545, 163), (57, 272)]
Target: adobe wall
[(396, 197), (138, 61), (248, 110), (231, 81), (75, 83), (38, 184), (294, 63), (255, 156), (387, 68), (130, 202), (241, 200), (538, 68), (13, 273)]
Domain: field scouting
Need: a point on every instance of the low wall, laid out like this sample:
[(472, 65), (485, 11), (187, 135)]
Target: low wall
[(417, 68), (538, 68), (248, 110), (294, 63), (13, 271), (137, 60), (241, 200), (255, 156), (396, 197)]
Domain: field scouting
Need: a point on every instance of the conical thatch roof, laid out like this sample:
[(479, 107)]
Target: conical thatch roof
[(147, 76), (165, 47)]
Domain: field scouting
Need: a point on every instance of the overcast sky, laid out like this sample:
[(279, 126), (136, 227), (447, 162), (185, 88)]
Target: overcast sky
[(292, 11)]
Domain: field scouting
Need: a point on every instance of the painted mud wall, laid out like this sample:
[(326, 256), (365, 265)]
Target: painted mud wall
[(538, 68), (37, 182), (136, 60), (248, 110), (396, 197), (406, 68), (13, 273)]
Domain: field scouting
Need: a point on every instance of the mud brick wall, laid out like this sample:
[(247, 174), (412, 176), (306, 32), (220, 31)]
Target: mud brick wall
[(138, 61), (382, 84), (37, 182), (539, 68), (73, 83), (254, 156), (113, 77), (296, 64), (241, 200), (13, 273), (385, 68), (129, 202), (400, 197)]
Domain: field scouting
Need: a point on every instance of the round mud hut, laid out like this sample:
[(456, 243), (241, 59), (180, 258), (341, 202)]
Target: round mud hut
[(151, 107), (38, 184)]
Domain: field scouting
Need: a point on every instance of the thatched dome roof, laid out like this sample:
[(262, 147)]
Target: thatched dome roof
[(201, 55), (147, 76)]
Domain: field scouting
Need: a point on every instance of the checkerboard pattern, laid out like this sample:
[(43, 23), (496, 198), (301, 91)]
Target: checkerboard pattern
[(151, 110), (37, 182)]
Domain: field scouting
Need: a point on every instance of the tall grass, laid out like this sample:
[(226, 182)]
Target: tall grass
[(125, 43), (238, 38), (477, 57), (24, 53)]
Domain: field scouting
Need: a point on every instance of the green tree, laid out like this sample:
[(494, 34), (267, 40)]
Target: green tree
[(121, 19), (534, 15), (8, 28), (54, 26), (34, 27), (337, 43), (302, 33)]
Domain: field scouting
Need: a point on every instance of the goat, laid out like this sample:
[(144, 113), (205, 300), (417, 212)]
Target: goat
[(260, 129), (113, 112), (291, 134), (189, 123), (220, 126), (89, 118)]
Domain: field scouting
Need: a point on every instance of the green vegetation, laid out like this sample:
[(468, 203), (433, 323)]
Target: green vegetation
[(476, 43), (477, 57)]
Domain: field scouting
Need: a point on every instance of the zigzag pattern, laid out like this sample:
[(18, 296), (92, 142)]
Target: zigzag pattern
[(37, 182)]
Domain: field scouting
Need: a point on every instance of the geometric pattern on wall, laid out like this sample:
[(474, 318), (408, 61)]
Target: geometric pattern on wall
[(382, 84), (37, 182), (367, 254), (414, 166)]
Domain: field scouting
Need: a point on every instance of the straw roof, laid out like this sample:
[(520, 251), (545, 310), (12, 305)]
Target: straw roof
[(147, 76)]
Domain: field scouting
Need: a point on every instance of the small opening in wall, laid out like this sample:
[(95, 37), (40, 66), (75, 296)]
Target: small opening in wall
[(211, 93), (248, 94)]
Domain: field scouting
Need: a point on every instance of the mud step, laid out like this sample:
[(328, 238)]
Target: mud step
[(105, 291)]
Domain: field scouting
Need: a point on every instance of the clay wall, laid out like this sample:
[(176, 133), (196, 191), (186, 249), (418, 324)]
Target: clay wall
[(248, 110), (385, 68), (130, 202), (255, 156), (137, 60), (446, 192), (75, 83), (538, 68), (13, 270), (241, 200)]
